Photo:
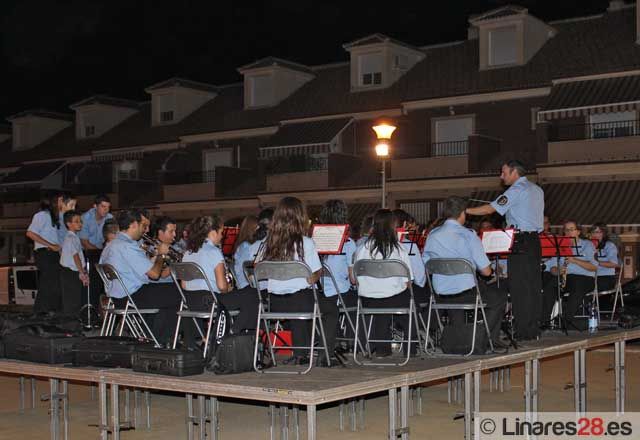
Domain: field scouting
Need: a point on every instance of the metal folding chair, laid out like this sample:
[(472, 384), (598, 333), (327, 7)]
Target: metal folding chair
[(188, 271), (344, 312), (284, 271), (616, 291), (247, 268), (449, 267), (386, 269), (131, 315)]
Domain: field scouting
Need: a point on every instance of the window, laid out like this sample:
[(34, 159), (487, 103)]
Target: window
[(126, 170), (261, 90), (451, 136), (166, 116), (618, 124), (502, 46), (370, 69), (401, 62), (216, 158), (89, 130)]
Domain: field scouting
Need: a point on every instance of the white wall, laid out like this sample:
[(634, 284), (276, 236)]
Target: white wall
[(102, 117), (185, 102), (36, 129)]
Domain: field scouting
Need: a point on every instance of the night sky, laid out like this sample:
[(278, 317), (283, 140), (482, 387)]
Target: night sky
[(56, 53)]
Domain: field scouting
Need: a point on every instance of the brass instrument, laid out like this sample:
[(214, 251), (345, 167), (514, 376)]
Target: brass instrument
[(174, 255), (229, 275)]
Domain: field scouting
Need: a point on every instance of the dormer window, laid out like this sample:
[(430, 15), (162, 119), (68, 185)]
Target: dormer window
[(370, 66), (503, 46), (166, 116), (89, 130), (261, 93)]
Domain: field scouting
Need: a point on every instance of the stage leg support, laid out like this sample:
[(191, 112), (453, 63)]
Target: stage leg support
[(580, 381), (311, 422), (619, 349), (59, 396)]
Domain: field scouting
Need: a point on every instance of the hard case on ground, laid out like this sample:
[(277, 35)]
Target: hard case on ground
[(106, 351), (167, 361), (35, 344)]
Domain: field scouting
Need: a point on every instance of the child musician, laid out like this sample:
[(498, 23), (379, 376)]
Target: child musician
[(72, 273)]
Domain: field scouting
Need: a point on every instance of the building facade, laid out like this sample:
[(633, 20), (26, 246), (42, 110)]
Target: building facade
[(561, 96)]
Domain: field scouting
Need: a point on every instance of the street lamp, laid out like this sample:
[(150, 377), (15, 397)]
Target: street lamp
[(383, 134)]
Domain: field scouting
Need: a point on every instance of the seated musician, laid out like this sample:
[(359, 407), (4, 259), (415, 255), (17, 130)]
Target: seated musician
[(453, 240), (382, 244), (203, 248), (580, 274), (403, 220), (606, 257), (287, 241), (241, 249), (163, 230), (137, 271)]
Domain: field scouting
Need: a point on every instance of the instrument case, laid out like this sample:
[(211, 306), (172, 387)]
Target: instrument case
[(166, 361), (106, 351), (43, 344)]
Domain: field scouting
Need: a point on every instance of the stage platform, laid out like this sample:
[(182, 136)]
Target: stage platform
[(325, 385)]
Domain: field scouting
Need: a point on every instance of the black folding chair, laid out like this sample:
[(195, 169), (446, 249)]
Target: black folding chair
[(284, 271), (450, 267), (386, 269)]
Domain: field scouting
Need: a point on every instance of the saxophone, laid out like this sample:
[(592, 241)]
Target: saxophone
[(563, 274), (228, 274)]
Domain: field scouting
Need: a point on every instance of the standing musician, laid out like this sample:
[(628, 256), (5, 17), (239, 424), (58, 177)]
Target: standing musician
[(580, 273), (382, 244), (453, 240), (203, 248), (92, 241), (287, 241), (44, 231), (66, 203), (606, 257), (137, 271), (241, 253), (523, 206)]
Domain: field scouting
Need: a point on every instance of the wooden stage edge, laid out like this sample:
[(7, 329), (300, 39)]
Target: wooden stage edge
[(323, 385)]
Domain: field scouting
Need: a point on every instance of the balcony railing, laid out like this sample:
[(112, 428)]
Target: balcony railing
[(452, 148), (293, 164), (208, 176), (596, 130)]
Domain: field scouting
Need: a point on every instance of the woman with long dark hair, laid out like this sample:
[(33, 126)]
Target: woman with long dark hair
[(606, 257), (44, 231), (246, 237), (287, 241), (66, 202), (203, 248), (382, 244)]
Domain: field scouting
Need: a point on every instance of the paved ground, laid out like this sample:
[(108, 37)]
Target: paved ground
[(240, 421)]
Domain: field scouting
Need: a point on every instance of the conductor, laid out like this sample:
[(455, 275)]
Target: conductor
[(523, 206)]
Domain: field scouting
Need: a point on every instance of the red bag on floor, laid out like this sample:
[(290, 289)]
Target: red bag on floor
[(279, 338)]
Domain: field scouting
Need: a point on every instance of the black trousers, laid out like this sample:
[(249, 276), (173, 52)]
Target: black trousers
[(162, 296), (73, 291), (302, 301), (607, 283), (49, 294), (577, 286), (244, 300), (525, 284), (96, 286), (494, 298), (381, 328)]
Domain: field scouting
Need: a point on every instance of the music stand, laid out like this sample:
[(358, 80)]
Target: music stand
[(559, 246), (411, 236), (329, 239), (229, 237)]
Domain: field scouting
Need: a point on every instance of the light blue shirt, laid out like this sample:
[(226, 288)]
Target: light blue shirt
[(62, 230), (309, 256), (522, 205), (242, 254), (417, 265), (71, 246), (42, 225), (452, 240), (92, 229), (339, 266), (208, 257), (253, 254), (608, 253), (586, 252), (128, 258)]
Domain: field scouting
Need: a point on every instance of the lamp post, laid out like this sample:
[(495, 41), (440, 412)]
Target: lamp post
[(383, 134)]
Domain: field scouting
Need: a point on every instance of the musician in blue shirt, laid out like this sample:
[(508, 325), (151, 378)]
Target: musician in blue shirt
[(246, 237), (287, 241), (453, 240), (580, 272), (523, 206), (606, 257), (44, 231), (92, 241), (137, 271)]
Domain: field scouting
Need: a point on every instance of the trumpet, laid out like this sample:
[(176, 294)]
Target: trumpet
[(149, 244)]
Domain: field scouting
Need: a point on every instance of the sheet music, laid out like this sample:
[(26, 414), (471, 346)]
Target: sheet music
[(329, 238), (498, 241)]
